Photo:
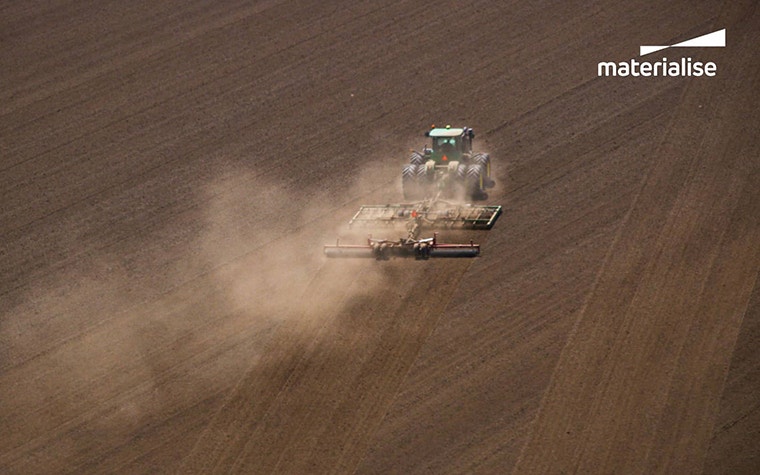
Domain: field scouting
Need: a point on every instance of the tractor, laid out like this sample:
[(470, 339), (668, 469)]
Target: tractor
[(450, 169), (438, 184)]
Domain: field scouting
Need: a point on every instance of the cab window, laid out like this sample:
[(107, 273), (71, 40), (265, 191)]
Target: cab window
[(444, 144)]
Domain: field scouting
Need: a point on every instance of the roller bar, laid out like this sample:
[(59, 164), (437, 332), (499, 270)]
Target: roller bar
[(419, 249)]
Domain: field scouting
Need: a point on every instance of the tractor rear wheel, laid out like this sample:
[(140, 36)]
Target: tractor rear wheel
[(409, 182), (459, 183), (416, 158), (474, 182), (485, 160), (424, 182)]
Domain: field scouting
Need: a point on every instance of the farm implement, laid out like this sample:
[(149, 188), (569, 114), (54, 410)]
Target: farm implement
[(414, 218), (450, 169)]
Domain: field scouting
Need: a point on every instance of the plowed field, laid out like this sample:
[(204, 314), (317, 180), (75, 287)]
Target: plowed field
[(169, 173)]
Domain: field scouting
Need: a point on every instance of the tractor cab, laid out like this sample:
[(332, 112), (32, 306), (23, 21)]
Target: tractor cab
[(449, 144), (448, 168)]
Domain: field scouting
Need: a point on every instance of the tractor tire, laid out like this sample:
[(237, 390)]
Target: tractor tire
[(485, 160), (416, 158), (410, 182), (460, 173), (425, 182), (459, 183), (474, 183)]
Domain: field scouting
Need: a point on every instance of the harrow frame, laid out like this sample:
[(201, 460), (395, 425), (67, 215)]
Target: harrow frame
[(435, 214)]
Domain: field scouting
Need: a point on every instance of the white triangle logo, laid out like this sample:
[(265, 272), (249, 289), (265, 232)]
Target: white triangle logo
[(645, 50), (716, 39)]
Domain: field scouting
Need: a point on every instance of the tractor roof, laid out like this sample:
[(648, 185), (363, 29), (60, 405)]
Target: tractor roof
[(447, 132)]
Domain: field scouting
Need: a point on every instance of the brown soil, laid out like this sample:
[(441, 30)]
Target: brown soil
[(171, 170)]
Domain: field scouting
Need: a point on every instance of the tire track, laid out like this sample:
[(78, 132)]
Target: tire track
[(374, 379)]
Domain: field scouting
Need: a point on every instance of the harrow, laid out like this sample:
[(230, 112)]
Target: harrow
[(414, 217)]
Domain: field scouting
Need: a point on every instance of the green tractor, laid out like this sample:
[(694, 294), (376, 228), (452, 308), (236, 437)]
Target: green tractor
[(450, 169)]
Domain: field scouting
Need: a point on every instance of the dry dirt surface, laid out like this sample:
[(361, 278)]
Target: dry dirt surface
[(171, 170)]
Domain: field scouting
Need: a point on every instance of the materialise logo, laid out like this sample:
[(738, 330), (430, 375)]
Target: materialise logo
[(680, 68)]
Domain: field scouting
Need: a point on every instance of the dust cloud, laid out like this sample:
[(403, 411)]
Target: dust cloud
[(125, 338), (265, 241)]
